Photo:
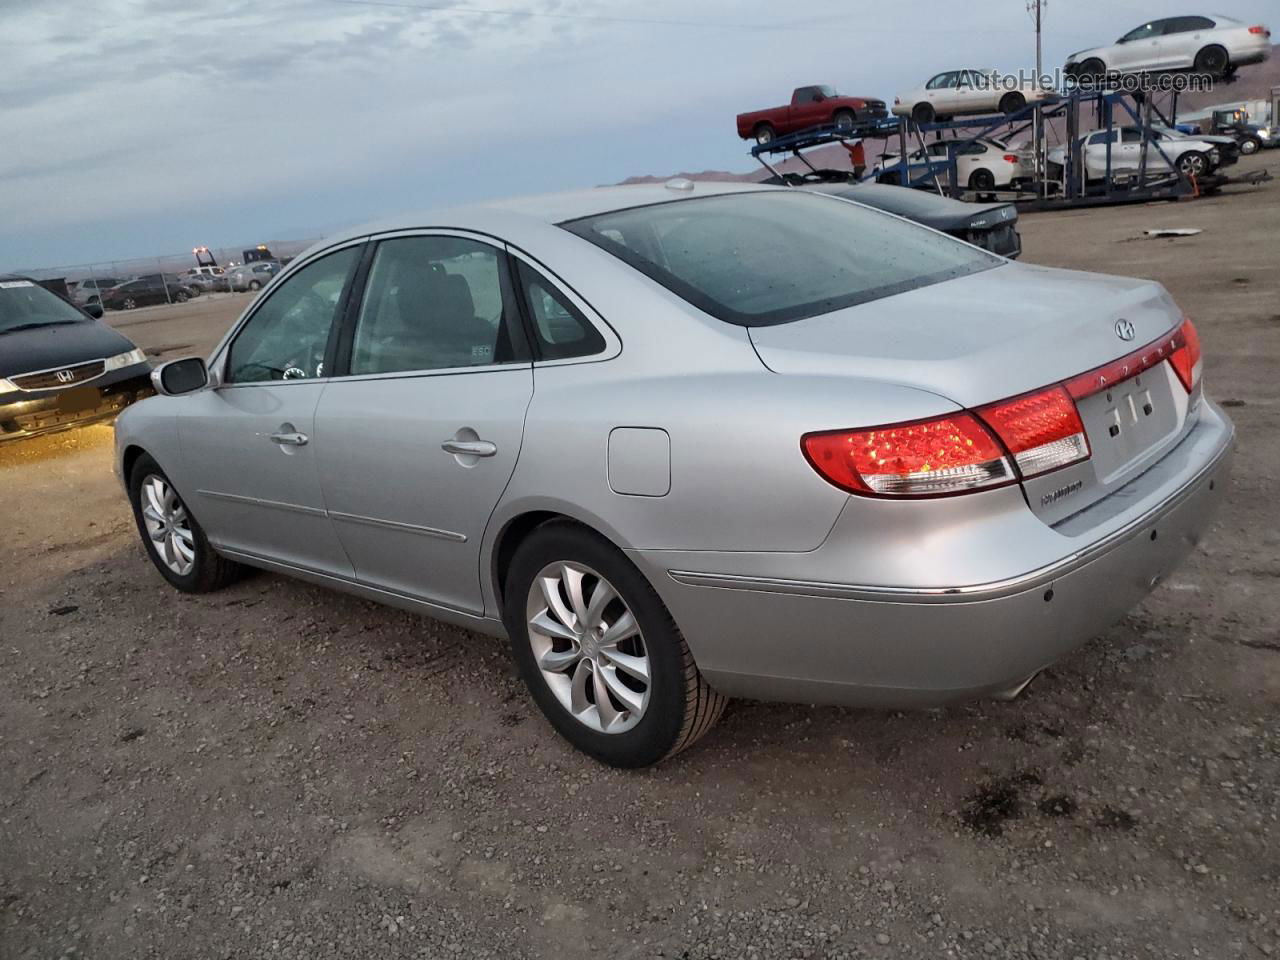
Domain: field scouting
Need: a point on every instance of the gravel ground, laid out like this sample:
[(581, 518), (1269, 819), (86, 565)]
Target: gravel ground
[(276, 770)]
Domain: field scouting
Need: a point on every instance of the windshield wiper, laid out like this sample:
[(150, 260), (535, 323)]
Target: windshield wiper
[(37, 323)]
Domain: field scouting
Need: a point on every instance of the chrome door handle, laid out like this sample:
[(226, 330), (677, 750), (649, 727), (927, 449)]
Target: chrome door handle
[(469, 448), (289, 439)]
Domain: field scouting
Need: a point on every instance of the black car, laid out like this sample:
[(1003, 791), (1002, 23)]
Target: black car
[(992, 226), (60, 366), (146, 291)]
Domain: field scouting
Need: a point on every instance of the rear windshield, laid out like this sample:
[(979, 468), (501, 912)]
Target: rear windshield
[(26, 304), (757, 259)]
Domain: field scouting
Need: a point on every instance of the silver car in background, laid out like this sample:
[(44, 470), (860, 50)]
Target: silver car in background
[(681, 443)]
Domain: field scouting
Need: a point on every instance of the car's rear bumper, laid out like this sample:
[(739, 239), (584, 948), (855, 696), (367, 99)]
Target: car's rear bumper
[(800, 638), (29, 414)]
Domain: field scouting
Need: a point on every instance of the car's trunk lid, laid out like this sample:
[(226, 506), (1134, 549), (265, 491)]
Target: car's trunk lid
[(1000, 333)]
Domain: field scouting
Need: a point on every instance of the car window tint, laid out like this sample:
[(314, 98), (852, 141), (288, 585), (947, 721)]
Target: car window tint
[(560, 328), (1187, 24), (285, 338), (1144, 32), (773, 256), (1130, 136), (432, 303)]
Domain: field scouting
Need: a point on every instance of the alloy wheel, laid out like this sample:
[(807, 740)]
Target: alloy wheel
[(588, 646), (168, 525)]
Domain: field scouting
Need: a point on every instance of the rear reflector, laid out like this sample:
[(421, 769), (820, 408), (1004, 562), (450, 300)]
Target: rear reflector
[(1042, 430), (927, 458)]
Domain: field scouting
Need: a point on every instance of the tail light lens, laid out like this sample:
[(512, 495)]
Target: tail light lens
[(971, 450), (1042, 430), (926, 458), (1010, 158), (1186, 354), (1260, 29)]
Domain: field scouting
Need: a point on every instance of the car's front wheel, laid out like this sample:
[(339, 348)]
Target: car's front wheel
[(599, 651), (129, 303), (174, 541), (1250, 146)]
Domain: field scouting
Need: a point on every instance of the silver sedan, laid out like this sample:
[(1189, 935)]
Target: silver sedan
[(681, 443)]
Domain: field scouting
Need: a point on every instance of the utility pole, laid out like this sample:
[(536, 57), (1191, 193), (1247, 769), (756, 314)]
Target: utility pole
[(1036, 9)]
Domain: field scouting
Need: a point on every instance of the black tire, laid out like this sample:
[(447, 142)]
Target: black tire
[(891, 179), (1012, 102), (254, 285), (209, 571), (128, 303), (1213, 61), (844, 120), (1093, 68), (1193, 163), (1250, 146), (983, 181), (181, 296), (764, 133), (682, 706), (923, 113)]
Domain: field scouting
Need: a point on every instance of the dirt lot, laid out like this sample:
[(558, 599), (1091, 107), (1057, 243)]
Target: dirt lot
[(281, 771)]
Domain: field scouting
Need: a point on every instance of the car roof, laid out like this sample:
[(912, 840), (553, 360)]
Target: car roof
[(548, 208)]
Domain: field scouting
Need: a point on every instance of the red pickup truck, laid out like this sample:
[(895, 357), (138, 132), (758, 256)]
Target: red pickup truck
[(810, 107)]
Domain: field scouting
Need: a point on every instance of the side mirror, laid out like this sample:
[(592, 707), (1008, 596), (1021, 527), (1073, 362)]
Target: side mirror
[(94, 310), (177, 377)]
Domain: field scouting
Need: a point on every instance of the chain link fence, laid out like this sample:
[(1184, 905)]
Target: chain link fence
[(168, 278)]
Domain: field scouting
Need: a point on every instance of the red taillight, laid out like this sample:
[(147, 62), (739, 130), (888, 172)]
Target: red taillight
[(1260, 29), (1010, 158), (1042, 430), (951, 454), (1186, 354)]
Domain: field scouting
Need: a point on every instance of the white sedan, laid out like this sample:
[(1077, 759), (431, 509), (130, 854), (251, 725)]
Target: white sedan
[(1191, 156), (954, 93), (1214, 45), (981, 165)]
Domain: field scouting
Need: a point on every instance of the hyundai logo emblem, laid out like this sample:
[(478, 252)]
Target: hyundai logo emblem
[(1124, 329), (65, 376)]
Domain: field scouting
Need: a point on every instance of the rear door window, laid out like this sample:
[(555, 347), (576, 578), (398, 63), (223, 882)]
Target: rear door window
[(432, 303)]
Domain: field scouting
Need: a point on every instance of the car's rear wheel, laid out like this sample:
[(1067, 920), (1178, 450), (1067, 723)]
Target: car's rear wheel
[(1193, 163), (599, 651), (1212, 61), (983, 181), (254, 285), (129, 303), (764, 133), (182, 296), (174, 540), (923, 113), (1012, 102)]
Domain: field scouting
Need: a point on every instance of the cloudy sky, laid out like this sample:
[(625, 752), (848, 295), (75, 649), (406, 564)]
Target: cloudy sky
[(142, 127)]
